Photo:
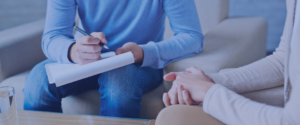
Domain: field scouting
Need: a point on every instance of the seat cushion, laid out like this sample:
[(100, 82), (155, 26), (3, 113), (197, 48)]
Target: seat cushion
[(273, 96), (89, 102)]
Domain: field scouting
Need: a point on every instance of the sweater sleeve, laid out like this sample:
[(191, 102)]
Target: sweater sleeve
[(265, 73), (58, 37), (188, 38), (233, 109), (262, 74)]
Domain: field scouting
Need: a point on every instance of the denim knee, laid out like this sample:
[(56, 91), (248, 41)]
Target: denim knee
[(122, 89), (121, 83), (36, 84)]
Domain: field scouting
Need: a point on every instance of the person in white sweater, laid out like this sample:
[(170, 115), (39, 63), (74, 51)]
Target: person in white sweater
[(217, 92)]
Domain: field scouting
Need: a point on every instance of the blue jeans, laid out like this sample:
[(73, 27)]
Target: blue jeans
[(121, 90)]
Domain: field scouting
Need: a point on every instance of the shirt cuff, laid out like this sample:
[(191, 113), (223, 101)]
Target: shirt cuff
[(150, 54), (208, 97)]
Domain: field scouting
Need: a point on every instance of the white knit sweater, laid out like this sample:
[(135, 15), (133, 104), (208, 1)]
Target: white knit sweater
[(283, 65)]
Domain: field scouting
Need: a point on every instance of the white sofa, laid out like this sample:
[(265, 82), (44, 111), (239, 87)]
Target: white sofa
[(228, 43)]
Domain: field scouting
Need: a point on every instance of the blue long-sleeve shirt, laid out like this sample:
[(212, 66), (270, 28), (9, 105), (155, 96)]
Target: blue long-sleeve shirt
[(122, 21)]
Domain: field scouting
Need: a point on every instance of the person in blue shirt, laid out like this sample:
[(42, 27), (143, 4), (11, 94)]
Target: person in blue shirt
[(123, 25)]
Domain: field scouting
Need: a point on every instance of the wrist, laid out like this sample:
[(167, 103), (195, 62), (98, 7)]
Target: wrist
[(209, 85), (70, 53), (149, 54), (141, 55)]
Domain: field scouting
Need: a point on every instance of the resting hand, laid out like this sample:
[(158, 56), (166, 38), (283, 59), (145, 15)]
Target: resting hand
[(177, 95), (87, 49), (193, 80), (136, 50)]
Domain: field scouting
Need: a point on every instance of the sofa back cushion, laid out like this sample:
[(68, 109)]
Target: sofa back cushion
[(210, 12)]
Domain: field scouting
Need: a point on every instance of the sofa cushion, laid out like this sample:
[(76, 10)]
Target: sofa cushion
[(273, 96), (89, 102), (210, 13)]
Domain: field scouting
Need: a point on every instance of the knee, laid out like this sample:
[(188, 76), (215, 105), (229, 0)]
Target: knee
[(124, 76), (36, 75), (181, 114), (169, 114), (122, 92), (37, 78)]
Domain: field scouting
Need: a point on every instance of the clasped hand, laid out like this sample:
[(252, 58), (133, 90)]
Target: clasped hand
[(188, 88), (87, 49)]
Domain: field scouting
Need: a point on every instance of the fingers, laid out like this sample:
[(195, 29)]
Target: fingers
[(170, 77), (90, 48), (186, 97), (126, 48), (177, 95), (166, 99), (90, 56), (194, 70), (87, 49), (87, 61), (88, 40), (121, 50), (180, 96), (174, 95), (100, 35)]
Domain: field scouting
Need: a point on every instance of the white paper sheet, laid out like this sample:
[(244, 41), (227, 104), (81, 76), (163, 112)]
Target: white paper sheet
[(62, 74)]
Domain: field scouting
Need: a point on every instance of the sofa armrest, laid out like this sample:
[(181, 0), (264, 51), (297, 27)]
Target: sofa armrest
[(20, 48), (233, 43)]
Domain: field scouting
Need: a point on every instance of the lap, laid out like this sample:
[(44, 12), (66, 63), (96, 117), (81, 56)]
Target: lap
[(185, 115), (37, 83), (132, 76), (146, 78)]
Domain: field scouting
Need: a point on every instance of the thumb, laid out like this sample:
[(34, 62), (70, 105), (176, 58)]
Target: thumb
[(123, 49), (119, 51), (170, 77)]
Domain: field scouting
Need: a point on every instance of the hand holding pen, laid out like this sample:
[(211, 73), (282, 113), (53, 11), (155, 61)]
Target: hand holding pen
[(86, 34), (87, 49)]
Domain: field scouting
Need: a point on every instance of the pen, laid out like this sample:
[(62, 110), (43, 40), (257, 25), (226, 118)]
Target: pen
[(84, 33)]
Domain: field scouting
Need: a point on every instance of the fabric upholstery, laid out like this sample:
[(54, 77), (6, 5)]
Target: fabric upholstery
[(210, 13), (235, 46), (271, 96), (20, 48)]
